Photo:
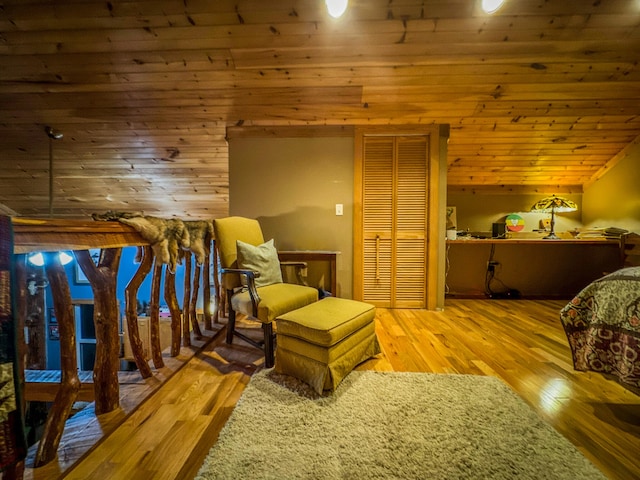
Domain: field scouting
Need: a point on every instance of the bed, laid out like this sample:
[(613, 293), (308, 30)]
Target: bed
[(602, 324)]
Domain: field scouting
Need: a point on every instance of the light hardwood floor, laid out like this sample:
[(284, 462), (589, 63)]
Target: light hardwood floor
[(520, 341)]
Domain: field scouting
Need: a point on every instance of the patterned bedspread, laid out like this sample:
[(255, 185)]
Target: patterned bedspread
[(602, 324)]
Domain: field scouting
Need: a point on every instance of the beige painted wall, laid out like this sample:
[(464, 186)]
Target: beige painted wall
[(614, 200), (292, 186)]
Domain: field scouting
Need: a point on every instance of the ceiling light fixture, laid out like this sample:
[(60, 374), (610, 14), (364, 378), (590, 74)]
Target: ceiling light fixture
[(336, 7), (53, 135), (491, 6)]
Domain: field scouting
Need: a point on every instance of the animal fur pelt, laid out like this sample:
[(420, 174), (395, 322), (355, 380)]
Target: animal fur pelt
[(168, 236), (200, 233), (113, 215)]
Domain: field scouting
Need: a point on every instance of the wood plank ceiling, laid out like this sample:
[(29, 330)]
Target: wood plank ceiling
[(541, 96)]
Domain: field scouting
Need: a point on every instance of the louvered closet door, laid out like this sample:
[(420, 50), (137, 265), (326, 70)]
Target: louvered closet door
[(411, 223), (394, 221), (378, 220)]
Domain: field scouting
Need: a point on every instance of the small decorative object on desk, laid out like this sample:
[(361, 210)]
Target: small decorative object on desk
[(452, 221), (515, 223)]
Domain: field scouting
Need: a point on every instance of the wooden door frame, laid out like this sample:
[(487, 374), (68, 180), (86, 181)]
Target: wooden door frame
[(435, 208)]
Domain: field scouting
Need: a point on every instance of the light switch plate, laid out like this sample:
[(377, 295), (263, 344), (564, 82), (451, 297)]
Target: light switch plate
[(339, 209)]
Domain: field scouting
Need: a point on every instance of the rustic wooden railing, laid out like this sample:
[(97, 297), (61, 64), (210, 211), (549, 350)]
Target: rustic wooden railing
[(50, 236)]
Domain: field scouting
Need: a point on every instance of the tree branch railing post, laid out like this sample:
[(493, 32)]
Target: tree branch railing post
[(154, 316), (131, 310), (69, 383), (206, 285), (186, 313), (174, 308), (103, 280), (194, 300)]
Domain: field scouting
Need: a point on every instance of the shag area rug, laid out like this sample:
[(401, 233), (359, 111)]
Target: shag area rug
[(390, 425)]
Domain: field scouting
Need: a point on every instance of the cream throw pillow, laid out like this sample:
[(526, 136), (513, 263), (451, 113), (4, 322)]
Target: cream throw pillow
[(263, 259)]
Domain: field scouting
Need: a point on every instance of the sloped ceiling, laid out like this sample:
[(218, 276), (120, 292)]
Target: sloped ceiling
[(541, 96)]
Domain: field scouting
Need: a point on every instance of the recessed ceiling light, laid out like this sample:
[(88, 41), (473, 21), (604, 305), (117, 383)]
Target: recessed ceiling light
[(336, 7), (491, 6)]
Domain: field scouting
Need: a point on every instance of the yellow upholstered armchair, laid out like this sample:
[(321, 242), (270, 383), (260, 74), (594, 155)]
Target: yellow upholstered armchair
[(252, 279)]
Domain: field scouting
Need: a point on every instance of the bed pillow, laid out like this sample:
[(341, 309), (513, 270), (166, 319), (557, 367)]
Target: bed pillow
[(262, 258)]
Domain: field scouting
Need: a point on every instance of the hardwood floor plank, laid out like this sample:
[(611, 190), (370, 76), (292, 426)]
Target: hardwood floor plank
[(519, 341), (166, 460)]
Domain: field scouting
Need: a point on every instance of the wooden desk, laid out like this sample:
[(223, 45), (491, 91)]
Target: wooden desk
[(315, 255), (536, 241), (536, 267)]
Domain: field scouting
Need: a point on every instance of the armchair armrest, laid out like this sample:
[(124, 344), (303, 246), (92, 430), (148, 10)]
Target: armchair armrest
[(251, 276), (241, 271)]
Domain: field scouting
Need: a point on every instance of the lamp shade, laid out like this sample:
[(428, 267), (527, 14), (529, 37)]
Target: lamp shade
[(554, 203)]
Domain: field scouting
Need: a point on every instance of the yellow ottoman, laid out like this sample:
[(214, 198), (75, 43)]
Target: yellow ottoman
[(320, 343)]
